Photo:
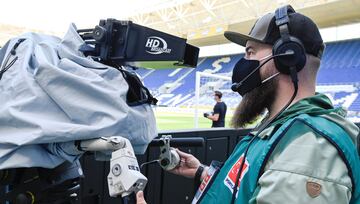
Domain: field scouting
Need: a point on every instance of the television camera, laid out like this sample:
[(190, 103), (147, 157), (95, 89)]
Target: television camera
[(117, 44)]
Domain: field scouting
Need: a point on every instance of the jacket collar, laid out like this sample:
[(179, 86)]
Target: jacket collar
[(319, 104)]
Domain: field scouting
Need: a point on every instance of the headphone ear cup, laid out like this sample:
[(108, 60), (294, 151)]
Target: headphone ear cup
[(298, 59)]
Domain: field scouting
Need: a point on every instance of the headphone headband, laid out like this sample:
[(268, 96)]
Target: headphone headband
[(282, 14), (282, 21)]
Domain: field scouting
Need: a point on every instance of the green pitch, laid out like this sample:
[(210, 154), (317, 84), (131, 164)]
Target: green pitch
[(174, 121)]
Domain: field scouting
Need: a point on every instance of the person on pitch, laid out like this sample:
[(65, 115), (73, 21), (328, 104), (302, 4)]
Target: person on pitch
[(219, 111)]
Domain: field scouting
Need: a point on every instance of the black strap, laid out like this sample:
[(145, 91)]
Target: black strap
[(282, 14), (197, 177), (6, 64), (282, 21), (137, 94)]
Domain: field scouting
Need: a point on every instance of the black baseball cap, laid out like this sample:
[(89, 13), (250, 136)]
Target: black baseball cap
[(266, 31)]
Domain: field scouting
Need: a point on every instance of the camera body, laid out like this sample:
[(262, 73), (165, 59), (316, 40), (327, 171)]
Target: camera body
[(207, 114), (125, 177)]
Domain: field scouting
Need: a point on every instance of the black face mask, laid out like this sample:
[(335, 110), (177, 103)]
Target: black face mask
[(246, 75)]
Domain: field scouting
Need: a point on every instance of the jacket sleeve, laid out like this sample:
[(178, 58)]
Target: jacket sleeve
[(304, 168)]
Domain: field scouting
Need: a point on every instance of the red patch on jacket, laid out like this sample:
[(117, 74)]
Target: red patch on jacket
[(230, 179)]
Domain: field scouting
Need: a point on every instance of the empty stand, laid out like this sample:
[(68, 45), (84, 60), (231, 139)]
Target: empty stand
[(340, 65)]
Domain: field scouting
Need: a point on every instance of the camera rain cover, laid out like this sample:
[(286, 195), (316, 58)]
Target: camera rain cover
[(51, 95)]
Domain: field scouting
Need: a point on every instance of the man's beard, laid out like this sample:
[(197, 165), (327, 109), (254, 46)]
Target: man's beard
[(254, 103)]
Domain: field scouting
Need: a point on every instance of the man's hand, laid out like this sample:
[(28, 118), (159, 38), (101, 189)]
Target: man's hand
[(140, 198), (214, 117), (187, 166)]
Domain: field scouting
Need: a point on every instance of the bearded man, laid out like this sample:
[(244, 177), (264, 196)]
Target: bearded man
[(304, 150)]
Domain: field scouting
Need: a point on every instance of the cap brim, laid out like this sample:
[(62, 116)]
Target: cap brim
[(239, 38)]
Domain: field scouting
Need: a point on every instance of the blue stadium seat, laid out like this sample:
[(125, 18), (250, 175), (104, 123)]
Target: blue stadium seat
[(340, 65), (355, 106)]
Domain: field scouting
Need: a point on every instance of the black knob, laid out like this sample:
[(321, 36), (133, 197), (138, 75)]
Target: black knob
[(102, 22), (99, 33), (24, 198), (164, 162)]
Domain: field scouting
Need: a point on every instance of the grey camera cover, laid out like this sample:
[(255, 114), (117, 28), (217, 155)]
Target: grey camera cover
[(53, 95)]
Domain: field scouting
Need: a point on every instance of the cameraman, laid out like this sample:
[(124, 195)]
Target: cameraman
[(219, 111), (304, 151)]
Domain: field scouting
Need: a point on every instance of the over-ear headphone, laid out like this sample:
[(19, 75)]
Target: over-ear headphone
[(287, 43)]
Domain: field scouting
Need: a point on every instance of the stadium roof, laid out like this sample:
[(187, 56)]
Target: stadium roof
[(204, 21), (201, 21)]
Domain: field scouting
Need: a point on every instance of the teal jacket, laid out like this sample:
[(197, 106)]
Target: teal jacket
[(307, 155)]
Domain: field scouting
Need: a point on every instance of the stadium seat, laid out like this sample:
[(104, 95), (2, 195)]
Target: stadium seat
[(340, 66)]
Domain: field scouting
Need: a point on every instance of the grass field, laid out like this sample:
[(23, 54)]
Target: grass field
[(178, 120)]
